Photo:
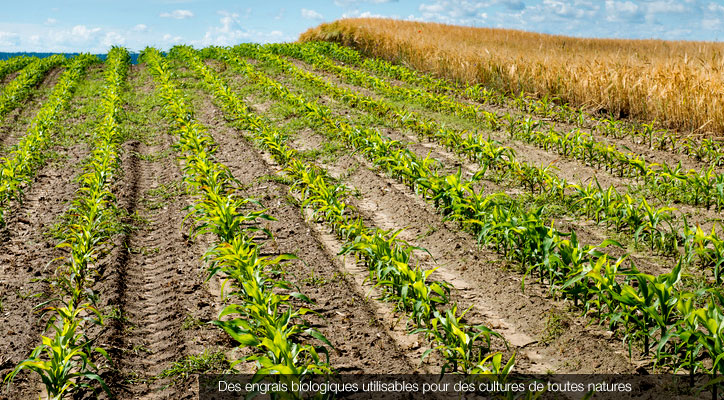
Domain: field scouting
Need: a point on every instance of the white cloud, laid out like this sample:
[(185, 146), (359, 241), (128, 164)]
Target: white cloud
[(711, 24), (461, 12), (621, 11), (311, 14), (715, 8), (113, 39), (82, 32), (661, 7), (50, 21), (579, 9), (9, 39), (231, 32), (140, 28), (512, 4), (177, 14), (365, 14), (171, 39)]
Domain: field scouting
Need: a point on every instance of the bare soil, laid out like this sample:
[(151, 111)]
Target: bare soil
[(355, 326), (26, 252), (477, 274)]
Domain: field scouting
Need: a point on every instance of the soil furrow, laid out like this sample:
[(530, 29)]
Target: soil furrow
[(478, 273), (364, 335), (27, 246), (158, 285), (586, 230)]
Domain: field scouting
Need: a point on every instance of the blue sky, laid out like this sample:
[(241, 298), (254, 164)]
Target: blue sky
[(95, 25)]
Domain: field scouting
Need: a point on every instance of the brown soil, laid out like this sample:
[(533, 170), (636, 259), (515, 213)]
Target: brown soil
[(587, 231), (478, 276), (26, 249), (9, 77), (359, 330)]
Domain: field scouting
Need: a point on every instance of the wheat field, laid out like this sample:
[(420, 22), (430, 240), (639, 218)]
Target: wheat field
[(676, 83)]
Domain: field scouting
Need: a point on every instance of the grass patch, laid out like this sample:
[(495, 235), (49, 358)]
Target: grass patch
[(157, 198), (204, 363), (556, 325)]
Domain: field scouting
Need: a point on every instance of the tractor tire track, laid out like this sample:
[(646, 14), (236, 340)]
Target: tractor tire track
[(158, 281)]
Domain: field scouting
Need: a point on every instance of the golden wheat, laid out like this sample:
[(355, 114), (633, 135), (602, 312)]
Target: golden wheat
[(677, 83)]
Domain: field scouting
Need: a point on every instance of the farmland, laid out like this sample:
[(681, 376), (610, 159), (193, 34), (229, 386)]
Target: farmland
[(303, 208)]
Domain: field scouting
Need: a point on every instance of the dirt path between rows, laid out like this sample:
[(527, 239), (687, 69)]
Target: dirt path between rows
[(156, 282), (524, 318), (359, 330), (26, 250)]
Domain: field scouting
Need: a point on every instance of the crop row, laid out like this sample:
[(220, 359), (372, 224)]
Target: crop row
[(708, 150), (646, 223), (388, 259), (687, 327), (18, 167), (14, 64), (260, 316), (705, 187), (64, 360), (15, 92)]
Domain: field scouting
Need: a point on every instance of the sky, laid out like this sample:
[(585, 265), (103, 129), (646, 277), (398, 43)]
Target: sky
[(96, 25)]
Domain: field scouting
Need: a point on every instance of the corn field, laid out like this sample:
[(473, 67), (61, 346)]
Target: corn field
[(303, 209)]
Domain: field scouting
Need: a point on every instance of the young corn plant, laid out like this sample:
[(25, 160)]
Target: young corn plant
[(64, 359), (465, 348)]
